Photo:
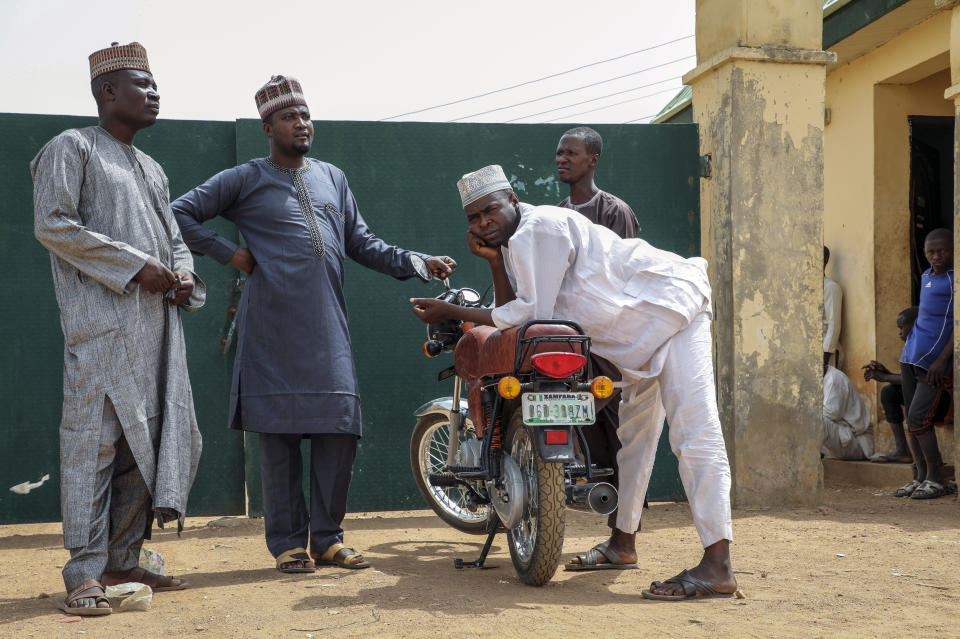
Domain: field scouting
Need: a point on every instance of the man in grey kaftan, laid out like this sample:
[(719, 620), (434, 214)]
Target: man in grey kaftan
[(129, 442), (294, 374)]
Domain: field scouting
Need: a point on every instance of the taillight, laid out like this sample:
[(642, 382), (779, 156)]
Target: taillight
[(556, 436), (558, 365)]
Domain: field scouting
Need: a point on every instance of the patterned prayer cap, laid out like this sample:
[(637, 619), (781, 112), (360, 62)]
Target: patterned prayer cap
[(279, 93), (474, 186), (115, 57)]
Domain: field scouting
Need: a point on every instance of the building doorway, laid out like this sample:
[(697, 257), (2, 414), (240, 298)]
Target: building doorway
[(931, 187)]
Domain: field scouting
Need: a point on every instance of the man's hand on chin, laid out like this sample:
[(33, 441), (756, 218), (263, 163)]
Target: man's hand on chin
[(431, 311)]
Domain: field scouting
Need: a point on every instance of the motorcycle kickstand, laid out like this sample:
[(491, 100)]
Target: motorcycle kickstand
[(459, 564)]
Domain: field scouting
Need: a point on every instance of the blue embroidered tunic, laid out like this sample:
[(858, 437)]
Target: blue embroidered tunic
[(294, 370)]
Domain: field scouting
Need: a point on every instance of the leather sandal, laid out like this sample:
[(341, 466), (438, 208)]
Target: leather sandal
[(928, 490), (292, 556), (350, 558), (590, 560), (907, 489), (90, 589), (693, 588), (157, 583)]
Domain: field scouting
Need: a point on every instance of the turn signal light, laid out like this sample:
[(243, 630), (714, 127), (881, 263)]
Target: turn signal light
[(508, 387), (558, 365), (602, 387)]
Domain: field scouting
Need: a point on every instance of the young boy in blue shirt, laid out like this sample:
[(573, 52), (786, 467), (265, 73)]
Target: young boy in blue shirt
[(926, 366)]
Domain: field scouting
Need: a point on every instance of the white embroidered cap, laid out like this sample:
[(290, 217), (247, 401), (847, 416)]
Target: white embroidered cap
[(474, 186)]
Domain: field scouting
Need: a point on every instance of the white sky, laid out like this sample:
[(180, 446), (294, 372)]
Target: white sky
[(359, 60)]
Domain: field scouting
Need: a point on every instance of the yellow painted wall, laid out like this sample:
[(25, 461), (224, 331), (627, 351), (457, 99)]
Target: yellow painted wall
[(866, 187)]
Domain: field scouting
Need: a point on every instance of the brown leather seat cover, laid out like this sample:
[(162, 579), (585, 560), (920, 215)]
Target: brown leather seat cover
[(485, 351)]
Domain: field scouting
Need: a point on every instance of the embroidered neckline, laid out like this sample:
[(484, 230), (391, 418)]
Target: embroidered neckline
[(305, 202), (283, 169)]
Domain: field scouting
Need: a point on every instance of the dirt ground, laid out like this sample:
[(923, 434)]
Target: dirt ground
[(863, 564)]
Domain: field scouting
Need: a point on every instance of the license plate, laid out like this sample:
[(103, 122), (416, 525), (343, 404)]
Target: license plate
[(557, 408)]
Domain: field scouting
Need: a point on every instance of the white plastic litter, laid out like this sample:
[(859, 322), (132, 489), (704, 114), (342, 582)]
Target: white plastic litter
[(130, 596), (151, 561), (25, 487)]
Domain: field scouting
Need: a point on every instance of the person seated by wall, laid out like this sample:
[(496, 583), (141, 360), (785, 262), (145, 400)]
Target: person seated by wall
[(832, 304), (891, 395), (926, 365), (847, 431)]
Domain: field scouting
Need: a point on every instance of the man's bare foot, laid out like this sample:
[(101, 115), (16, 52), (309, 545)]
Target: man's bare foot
[(714, 571), (86, 599), (157, 583), (623, 545)]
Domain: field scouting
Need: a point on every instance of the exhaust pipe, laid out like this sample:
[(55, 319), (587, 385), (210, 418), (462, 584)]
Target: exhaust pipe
[(600, 497)]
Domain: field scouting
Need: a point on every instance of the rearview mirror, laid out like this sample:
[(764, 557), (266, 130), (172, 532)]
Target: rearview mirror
[(420, 268)]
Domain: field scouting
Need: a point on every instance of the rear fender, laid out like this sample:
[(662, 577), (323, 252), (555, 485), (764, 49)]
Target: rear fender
[(554, 453)]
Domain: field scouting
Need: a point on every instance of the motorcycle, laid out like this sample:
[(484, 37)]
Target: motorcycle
[(506, 451)]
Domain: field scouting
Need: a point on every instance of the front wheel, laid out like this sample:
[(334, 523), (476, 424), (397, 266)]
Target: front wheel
[(537, 541), (428, 454)]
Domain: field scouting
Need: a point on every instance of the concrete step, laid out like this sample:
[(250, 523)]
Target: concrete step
[(864, 473)]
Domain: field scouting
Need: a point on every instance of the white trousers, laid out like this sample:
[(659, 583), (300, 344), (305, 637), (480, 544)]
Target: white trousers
[(684, 394)]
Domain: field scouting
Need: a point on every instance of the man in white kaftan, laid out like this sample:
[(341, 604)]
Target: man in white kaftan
[(648, 312), (129, 442), (847, 432)]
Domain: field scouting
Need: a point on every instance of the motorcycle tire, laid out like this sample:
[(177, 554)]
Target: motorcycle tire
[(428, 454), (537, 542)]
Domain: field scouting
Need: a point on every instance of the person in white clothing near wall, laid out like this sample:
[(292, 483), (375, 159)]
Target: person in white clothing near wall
[(832, 306)]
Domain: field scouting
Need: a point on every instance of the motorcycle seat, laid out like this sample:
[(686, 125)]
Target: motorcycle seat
[(485, 351)]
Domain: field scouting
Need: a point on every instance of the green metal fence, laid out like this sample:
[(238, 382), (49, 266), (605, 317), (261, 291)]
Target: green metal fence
[(404, 178)]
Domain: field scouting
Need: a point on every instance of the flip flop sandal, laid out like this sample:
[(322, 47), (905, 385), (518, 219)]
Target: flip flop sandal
[(164, 583), (351, 559), (90, 589), (590, 560), (928, 490), (907, 489), (693, 588), (296, 554)]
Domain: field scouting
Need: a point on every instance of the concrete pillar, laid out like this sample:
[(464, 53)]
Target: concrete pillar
[(954, 93), (758, 96)]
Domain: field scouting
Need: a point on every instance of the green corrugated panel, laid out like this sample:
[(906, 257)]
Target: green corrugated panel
[(404, 178)]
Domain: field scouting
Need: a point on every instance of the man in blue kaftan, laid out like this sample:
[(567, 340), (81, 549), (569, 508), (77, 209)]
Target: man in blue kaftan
[(294, 373)]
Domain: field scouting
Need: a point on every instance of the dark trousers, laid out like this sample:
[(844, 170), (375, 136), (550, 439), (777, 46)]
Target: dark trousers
[(891, 398), (921, 400), (287, 521), (602, 436)]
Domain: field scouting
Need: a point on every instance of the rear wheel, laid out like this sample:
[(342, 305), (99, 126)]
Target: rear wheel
[(428, 454), (536, 543)]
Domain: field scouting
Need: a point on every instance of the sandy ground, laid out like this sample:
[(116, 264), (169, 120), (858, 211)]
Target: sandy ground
[(862, 564)]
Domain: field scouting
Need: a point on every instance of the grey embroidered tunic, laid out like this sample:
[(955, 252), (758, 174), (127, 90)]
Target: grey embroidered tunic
[(294, 370), (101, 208)]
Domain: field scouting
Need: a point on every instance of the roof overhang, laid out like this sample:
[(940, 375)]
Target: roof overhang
[(851, 29)]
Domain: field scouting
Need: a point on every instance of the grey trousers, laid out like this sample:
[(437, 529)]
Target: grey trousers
[(287, 521), (121, 504)]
